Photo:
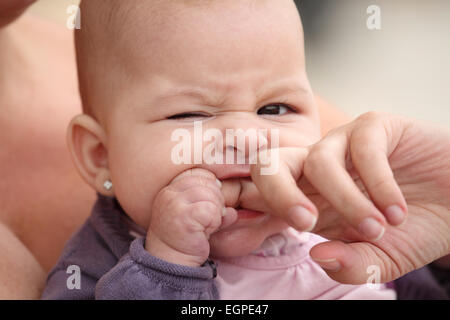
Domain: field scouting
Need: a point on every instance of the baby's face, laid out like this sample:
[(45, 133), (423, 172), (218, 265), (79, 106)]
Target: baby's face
[(231, 65)]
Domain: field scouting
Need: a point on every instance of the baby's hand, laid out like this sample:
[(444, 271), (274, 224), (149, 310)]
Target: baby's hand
[(184, 215)]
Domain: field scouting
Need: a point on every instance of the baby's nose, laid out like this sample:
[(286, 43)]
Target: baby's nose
[(241, 146)]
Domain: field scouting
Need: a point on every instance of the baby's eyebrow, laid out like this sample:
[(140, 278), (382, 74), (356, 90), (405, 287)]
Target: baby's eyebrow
[(196, 93), (282, 87), (205, 96)]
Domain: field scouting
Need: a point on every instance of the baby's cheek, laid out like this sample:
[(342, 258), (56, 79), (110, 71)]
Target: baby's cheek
[(136, 187), (136, 199)]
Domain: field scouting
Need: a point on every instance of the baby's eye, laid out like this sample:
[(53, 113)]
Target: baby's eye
[(187, 116), (275, 109)]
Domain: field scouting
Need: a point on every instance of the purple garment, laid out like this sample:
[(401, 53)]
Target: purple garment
[(420, 285), (114, 265)]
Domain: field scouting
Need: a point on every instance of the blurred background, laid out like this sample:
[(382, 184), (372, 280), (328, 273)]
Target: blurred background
[(403, 68)]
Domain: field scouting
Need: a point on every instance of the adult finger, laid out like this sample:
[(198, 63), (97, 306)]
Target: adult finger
[(369, 153), (355, 263), (281, 192), (231, 189), (325, 168)]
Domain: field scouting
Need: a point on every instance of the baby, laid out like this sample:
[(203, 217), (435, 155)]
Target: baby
[(198, 230)]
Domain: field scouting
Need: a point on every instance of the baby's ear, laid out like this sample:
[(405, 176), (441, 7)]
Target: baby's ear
[(86, 140)]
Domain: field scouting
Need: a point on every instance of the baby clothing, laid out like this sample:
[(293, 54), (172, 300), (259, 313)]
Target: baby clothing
[(283, 270), (113, 264), (106, 259)]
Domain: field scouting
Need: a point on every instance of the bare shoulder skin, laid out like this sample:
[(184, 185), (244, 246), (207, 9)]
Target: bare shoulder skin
[(21, 276), (42, 198)]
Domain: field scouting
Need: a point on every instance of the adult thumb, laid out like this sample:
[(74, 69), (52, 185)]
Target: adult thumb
[(355, 263)]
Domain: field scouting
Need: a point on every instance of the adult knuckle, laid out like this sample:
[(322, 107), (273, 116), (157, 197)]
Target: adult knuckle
[(370, 115), (380, 184), (316, 160), (374, 116), (361, 152)]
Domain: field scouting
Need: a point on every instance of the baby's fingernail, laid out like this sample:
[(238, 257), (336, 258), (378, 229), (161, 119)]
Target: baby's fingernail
[(395, 215), (219, 183), (372, 229), (224, 211), (302, 218), (328, 264)]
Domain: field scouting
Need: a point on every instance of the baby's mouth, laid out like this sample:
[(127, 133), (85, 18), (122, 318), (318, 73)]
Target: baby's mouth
[(244, 202), (247, 213)]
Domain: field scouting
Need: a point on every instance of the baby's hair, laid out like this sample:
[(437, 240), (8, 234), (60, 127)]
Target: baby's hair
[(93, 46), (105, 24), (109, 28)]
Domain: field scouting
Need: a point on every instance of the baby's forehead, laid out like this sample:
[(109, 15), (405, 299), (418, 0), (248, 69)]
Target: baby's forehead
[(120, 15), (130, 19), (127, 38)]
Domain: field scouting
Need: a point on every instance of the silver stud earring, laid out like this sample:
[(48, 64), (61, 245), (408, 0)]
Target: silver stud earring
[(108, 185)]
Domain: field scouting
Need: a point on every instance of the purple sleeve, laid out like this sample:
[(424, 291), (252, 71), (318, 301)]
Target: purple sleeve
[(57, 288), (139, 275)]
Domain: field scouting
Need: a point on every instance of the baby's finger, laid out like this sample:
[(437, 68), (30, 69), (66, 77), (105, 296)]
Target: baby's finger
[(368, 147), (194, 178), (201, 193), (188, 182), (282, 194), (207, 215), (229, 216), (325, 169), (197, 172)]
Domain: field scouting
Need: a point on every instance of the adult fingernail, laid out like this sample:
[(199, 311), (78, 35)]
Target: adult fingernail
[(328, 264), (395, 215), (302, 218), (372, 229)]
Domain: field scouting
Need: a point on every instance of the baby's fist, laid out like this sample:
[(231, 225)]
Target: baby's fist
[(184, 215)]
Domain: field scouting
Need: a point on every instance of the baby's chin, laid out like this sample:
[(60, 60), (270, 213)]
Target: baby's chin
[(241, 241)]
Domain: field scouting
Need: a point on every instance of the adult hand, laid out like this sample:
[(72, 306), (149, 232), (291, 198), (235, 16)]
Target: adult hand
[(361, 171)]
